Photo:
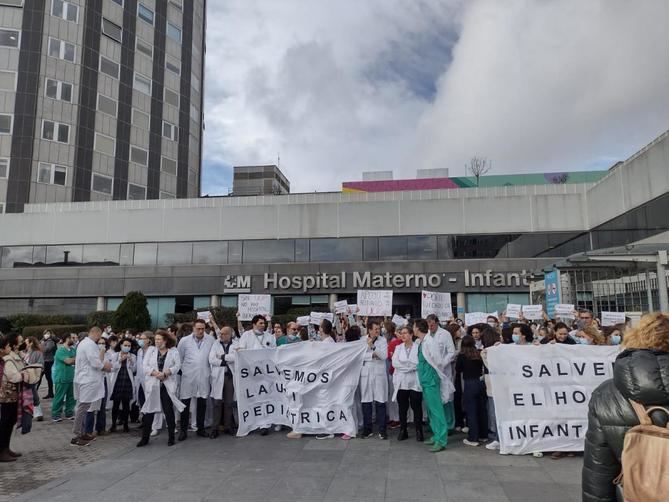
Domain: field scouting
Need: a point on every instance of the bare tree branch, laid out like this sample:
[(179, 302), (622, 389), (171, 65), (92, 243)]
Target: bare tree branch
[(478, 166)]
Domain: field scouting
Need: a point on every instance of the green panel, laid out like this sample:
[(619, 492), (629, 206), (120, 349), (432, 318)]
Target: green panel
[(229, 301), (113, 303), (158, 307), (201, 302)]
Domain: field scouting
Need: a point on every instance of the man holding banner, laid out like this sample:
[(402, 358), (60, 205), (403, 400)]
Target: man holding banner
[(374, 382)]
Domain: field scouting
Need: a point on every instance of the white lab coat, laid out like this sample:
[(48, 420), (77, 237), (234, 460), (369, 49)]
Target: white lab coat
[(405, 376), (328, 339), (373, 377), (218, 371), (249, 340), (195, 370), (139, 377), (88, 375), (131, 364), (152, 384), (432, 352)]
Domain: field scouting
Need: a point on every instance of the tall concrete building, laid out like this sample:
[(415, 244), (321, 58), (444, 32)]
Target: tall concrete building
[(100, 100), (259, 180)]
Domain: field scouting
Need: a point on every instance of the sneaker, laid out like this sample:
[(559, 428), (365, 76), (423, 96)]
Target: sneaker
[(345, 437), (80, 442), (192, 428), (55, 420), (458, 429), (383, 435), (537, 454), (393, 425), (88, 437), (493, 445), (293, 435), (436, 448), (70, 418), (154, 432), (470, 443), (277, 428), (367, 435), (464, 430), (324, 436)]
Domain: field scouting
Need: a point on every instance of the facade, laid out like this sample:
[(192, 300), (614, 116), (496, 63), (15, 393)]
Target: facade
[(259, 180), (483, 245), (100, 100)]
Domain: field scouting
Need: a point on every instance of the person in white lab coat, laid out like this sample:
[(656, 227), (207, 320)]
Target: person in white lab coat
[(89, 370), (160, 368), (445, 359), (374, 381), (407, 389), (222, 385), (326, 332), (195, 376), (121, 383)]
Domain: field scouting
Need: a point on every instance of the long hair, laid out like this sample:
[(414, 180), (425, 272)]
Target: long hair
[(35, 343), (468, 348), (651, 333)]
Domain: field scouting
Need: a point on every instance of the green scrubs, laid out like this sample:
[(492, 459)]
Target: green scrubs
[(63, 380), (429, 381)]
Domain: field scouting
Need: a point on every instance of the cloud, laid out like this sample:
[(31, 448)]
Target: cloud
[(337, 88)]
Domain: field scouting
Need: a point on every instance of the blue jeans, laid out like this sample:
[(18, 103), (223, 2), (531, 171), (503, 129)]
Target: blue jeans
[(367, 417), (474, 400), (97, 419)]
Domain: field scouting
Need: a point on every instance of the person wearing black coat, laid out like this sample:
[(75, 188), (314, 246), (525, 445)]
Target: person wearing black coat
[(641, 373)]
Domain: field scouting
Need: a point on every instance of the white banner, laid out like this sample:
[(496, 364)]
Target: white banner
[(541, 394), (309, 387), (472, 318), (375, 302), (304, 320), (352, 308), (513, 310), (317, 317), (205, 315), (533, 312), (399, 321), (250, 305), (436, 303), (564, 310), (613, 318), (341, 307)]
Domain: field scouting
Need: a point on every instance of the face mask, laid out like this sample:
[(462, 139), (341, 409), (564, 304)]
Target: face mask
[(515, 338), (160, 346), (140, 343), (258, 332), (125, 349), (292, 337), (102, 346), (492, 325), (615, 339), (584, 341), (47, 336)]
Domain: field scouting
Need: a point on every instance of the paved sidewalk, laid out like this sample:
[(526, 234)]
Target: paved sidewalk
[(275, 468)]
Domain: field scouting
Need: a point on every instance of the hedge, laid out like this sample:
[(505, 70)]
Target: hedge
[(132, 313), (56, 329), (20, 321)]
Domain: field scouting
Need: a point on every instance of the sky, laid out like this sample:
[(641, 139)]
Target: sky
[(337, 88)]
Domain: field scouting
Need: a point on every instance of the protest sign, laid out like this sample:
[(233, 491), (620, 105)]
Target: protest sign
[(533, 312), (304, 320), (541, 394), (309, 387), (613, 318), (352, 308), (205, 315), (317, 317), (341, 307), (472, 318), (399, 321), (250, 305), (513, 311), (564, 310), (552, 284), (435, 303), (375, 302)]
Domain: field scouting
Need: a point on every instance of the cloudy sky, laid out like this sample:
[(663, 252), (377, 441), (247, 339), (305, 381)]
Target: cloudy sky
[(341, 87)]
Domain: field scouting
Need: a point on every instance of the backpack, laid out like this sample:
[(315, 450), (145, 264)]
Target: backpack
[(645, 459)]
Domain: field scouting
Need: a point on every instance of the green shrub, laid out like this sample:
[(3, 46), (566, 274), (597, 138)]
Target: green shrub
[(20, 321), (132, 313), (56, 329), (101, 318), (5, 325)]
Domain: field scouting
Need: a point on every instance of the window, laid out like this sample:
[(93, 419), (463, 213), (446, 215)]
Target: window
[(55, 89), (106, 105), (12, 3), (65, 10), (173, 66), (144, 47), (175, 253), (170, 131), (136, 192), (165, 195), (174, 32), (139, 155), (144, 13), (62, 50), (109, 67), (4, 168), (7, 80), (142, 84), (101, 253), (177, 4), (215, 253), (145, 254), (6, 122), (393, 248), (51, 174), (346, 249), (169, 166), (171, 97), (423, 247), (269, 251), (104, 144), (55, 131), (9, 38), (112, 30), (120, 2), (102, 184), (140, 119)]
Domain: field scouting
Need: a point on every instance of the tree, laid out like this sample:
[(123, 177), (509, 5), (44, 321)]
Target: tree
[(559, 179), (132, 313), (478, 166)]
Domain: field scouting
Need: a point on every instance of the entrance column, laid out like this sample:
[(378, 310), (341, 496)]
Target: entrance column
[(101, 304), (461, 300), (662, 262), (215, 301), (331, 301)]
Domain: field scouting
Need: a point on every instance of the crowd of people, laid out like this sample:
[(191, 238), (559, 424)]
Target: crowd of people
[(425, 372)]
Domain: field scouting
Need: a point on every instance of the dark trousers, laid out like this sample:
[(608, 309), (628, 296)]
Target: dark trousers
[(413, 398), (120, 409), (97, 419), (7, 420), (185, 414), (457, 403), (475, 404), (47, 374), (380, 409), (168, 410), (224, 407)]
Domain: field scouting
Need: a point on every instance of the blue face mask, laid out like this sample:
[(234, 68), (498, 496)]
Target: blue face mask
[(515, 338), (140, 343), (615, 339), (125, 349), (583, 341)]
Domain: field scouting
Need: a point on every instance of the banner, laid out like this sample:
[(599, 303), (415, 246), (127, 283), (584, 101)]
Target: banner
[(613, 318), (533, 312), (552, 284), (375, 302), (436, 303), (205, 315), (250, 305), (341, 307), (309, 387), (541, 394), (564, 310), (399, 321), (317, 317), (472, 318), (513, 310)]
